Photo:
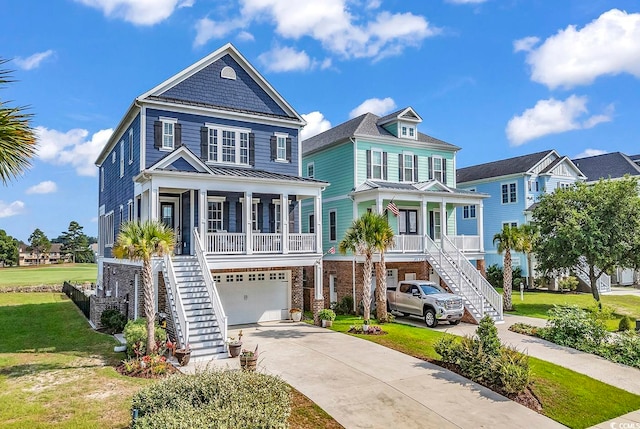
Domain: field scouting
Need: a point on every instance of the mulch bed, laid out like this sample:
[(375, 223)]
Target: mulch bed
[(373, 330), (146, 372)]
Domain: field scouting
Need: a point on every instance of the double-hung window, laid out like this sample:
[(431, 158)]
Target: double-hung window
[(333, 227), (407, 167), (131, 146), (281, 147), (469, 212), (437, 168), (311, 170), (168, 134), (509, 193), (215, 214), (122, 158), (277, 217), (312, 223), (109, 229), (509, 224), (130, 211), (228, 145), (376, 164)]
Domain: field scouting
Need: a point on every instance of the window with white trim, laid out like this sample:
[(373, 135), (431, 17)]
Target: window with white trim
[(509, 193), (311, 170), (131, 146), (130, 210), (412, 132), (108, 229), (168, 134), (469, 212), (121, 158), (121, 215), (437, 168), (228, 145), (333, 225), (407, 167), (564, 185), (254, 213), (101, 179), (404, 131), (509, 224), (533, 185), (277, 213), (377, 158), (281, 147), (215, 215)]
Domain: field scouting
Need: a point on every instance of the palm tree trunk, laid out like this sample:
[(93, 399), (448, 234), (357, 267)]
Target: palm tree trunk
[(366, 287), (381, 289), (507, 279), (149, 303), (530, 270)]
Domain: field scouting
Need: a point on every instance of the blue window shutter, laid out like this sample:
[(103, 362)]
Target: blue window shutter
[(252, 149), (415, 168), (400, 168), (368, 164), (430, 168), (204, 143), (178, 135), (225, 216), (274, 147), (288, 148), (239, 216), (157, 134)]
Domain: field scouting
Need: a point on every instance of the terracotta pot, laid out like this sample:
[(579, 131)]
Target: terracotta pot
[(183, 356), (234, 349)]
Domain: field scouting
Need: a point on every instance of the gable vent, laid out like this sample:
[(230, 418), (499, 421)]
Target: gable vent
[(228, 73)]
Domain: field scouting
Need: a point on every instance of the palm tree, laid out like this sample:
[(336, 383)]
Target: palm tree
[(508, 239), (529, 234), (17, 140), (368, 234), (140, 242), (383, 241)]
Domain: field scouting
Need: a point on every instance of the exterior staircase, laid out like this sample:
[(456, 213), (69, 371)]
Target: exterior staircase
[(582, 272), (480, 298), (194, 312)]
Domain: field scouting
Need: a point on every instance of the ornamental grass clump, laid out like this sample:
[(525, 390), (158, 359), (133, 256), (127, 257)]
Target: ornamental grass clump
[(214, 399)]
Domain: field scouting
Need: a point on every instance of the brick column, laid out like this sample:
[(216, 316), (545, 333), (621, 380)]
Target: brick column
[(297, 300), (318, 304), (480, 266)]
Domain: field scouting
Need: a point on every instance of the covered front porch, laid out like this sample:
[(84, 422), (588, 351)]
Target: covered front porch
[(420, 213)]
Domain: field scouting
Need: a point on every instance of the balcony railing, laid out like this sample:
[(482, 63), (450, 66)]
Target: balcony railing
[(270, 243), (466, 243), (407, 243)]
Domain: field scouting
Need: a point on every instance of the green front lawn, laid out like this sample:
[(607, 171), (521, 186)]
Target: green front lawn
[(566, 396), (537, 304), (48, 274)]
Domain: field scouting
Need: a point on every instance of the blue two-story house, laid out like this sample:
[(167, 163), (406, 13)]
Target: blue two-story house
[(515, 185), (214, 152), (386, 165)]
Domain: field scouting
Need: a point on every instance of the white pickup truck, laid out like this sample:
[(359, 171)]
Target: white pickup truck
[(427, 300)]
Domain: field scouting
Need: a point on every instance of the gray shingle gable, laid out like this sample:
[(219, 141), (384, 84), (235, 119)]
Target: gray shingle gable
[(503, 167), (365, 125), (609, 165)]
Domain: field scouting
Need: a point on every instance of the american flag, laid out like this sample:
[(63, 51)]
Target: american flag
[(332, 250), (393, 208)]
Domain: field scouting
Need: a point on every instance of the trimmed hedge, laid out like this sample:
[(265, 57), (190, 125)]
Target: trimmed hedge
[(214, 399)]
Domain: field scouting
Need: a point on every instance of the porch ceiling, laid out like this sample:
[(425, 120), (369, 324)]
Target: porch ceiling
[(428, 190)]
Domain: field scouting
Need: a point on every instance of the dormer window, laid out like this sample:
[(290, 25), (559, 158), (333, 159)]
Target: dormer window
[(407, 131)]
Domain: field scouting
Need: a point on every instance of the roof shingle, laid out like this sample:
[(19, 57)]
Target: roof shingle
[(503, 167), (609, 165)]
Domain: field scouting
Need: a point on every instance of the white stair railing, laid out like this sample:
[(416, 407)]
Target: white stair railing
[(582, 271), (179, 315), (211, 285)]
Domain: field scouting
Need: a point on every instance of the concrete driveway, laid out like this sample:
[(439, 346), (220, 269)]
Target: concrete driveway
[(365, 385)]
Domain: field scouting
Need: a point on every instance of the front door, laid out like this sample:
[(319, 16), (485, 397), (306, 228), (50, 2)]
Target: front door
[(170, 216), (333, 289), (435, 224), (408, 222)]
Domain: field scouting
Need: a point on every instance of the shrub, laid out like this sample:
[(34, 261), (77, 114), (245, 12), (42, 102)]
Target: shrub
[(488, 336), (345, 306), (624, 348), (112, 320), (495, 276), (568, 283), (326, 314), (389, 319), (625, 324), (135, 332), (214, 399), (513, 371), (571, 326), (526, 329)]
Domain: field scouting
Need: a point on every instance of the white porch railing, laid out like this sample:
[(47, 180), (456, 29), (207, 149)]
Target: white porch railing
[(466, 243), (267, 242), (210, 284), (225, 242), (604, 281), (299, 243), (179, 315), (407, 243)]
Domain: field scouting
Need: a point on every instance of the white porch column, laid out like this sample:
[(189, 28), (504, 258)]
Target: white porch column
[(284, 222), (443, 221), (480, 224), (425, 230), (317, 284), (144, 206), (192, 203), (379, 204), (317, 214), (247, 208), (153, 201), (202, 217)]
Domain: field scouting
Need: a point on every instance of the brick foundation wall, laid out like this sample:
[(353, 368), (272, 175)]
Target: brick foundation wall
[(99, 304), (124, 276)]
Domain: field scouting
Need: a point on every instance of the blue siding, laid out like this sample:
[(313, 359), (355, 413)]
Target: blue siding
[(119, 190), (208, 87), (191, 125)]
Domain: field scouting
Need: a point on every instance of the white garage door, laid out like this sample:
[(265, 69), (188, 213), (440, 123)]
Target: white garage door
[(254, 296)]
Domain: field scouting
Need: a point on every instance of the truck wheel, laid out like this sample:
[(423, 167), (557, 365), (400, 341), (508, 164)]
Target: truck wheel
[(430, 318), (454, 322)]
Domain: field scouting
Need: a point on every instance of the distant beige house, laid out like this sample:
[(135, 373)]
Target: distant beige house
[(53, 256)]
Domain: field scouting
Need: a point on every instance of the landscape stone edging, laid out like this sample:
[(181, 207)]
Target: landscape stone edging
[(37, 288)]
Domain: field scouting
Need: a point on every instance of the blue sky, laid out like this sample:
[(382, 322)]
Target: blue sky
[(499, 78)]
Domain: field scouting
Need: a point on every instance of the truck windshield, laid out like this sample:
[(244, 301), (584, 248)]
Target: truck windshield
[(431, 289)]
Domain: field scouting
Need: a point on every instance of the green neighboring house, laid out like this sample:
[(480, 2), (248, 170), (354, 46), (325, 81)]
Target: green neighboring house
[(384, 164)]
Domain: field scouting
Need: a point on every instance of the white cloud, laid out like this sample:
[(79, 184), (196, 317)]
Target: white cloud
[(466, 1), (316, 123), (377, 106), (46, 187), (284, 59), (329, 22), (72, 148), (590, 152), (373, 4), (11, 209), (34, 60), (552, 117), (609, 45), (138, 12), (525, 44), (245, 36)]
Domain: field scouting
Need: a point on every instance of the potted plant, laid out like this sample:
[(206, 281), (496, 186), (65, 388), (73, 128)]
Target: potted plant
[(183, 355), (296, 314), (327, 316), (234, 347), (365, 326), (249, 359)]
